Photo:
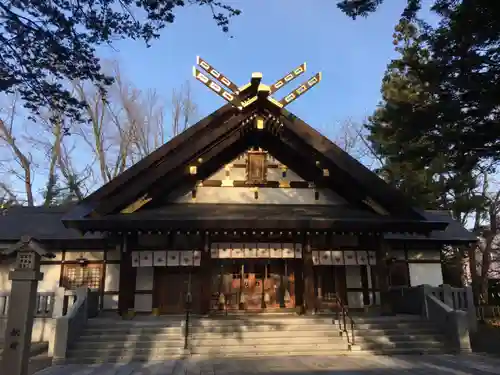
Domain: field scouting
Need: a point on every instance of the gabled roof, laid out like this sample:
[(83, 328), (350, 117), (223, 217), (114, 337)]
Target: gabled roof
[(221, 136)]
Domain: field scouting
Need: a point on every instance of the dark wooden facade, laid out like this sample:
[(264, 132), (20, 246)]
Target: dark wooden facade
[(136, 203)]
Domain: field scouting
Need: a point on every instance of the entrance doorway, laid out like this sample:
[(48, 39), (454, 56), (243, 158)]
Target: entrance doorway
[(171, 286), (253, 284), (329, 283)]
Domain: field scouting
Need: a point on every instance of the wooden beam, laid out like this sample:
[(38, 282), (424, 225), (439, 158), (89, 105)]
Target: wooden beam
[(216, 74), (301, 159), (225, 151), (182, 156), (388, 196), (301, 90), (136, 205), (194, 132), (287, 78), (218, 89)]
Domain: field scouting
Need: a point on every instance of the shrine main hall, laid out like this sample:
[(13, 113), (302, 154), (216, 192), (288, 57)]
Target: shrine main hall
[(250, 209)]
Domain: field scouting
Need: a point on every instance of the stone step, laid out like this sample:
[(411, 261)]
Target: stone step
[(117, 336), (391, 325), (142, 344), (125, 352), (330, 333), (382, 319), (400, 338), (245, 327), (133, 330), (294, 321), (393, 331), (253, 350), (401, 345), (100, 359), (235, 341), (154, 357), (400, 351)]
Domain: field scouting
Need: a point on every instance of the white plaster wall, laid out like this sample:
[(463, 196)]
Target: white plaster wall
[(425, 273), (5, 283), (110, 302), (244, 195), (112, 279), (51, 274), (276, 174), (51, 277), (353, 277), (273, 174), (143, 302), (144, 278)]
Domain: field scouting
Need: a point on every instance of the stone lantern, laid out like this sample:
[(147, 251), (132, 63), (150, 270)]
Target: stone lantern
[(22, 304)]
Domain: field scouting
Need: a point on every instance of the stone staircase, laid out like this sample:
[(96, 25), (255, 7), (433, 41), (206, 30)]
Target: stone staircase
[(397, 335), (112, 340), (265, 335)]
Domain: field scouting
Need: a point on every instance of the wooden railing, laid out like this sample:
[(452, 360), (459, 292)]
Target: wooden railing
[(43, 309)]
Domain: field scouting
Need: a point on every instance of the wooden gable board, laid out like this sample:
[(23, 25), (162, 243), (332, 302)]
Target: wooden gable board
[(379, 190), (219, 134), (123, 197), (217, 117)]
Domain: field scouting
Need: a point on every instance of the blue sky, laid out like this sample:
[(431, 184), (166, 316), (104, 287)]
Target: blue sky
[(273, 37)]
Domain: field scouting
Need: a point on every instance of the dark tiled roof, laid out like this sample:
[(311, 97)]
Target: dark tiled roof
[(454, 232), (45, 223)]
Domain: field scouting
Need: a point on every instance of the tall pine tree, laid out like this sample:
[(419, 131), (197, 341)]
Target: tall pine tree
[(403, 128), (462, 79)]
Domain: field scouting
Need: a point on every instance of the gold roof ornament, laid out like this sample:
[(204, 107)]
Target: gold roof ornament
[(245, 95)]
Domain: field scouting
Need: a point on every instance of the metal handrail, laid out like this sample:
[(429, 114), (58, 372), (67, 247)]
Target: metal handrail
[(342, 309), (186, 323), (188, 302)]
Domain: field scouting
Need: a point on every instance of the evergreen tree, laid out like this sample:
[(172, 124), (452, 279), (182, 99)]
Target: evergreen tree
[(401, 132), (456, 109)]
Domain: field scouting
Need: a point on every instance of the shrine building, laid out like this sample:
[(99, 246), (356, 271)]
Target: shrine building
[(250, 209)]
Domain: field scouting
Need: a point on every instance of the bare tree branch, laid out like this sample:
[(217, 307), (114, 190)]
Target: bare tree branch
[(7, 136)]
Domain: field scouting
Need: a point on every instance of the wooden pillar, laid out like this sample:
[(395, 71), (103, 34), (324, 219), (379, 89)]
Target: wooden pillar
[(364, 285), (206, 277), (383, 276), (298, 265), (309, 295), (128, 274)]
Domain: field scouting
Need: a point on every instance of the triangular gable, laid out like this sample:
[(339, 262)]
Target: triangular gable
[(219, 138), (229, 185)]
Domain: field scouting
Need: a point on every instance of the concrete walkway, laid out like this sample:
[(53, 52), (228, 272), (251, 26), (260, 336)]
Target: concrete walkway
[(345, 365)]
